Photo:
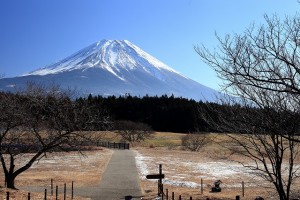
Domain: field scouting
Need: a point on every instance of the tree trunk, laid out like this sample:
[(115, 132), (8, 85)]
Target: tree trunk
[(10, 181)]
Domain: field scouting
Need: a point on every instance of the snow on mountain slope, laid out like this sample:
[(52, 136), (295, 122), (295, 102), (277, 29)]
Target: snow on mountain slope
[(112, 55), (114, 67)]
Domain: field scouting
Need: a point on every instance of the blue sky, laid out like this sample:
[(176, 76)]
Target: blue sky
[(35, 33)]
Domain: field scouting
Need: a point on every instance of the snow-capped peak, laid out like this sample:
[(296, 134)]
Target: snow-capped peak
[(114, 67), (111, 55)]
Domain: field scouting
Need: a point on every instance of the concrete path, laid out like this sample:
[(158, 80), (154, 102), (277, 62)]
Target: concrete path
[(119, 181), (120, 178)]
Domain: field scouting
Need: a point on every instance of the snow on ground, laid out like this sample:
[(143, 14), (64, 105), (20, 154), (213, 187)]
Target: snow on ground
[(184, 173), (142, 163), (219, 169)]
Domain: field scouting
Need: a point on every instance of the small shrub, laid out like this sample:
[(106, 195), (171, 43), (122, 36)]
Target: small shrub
[(171, 147), (195, 141)]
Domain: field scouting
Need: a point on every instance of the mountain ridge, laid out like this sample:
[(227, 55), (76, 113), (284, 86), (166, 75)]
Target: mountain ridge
[(115, 67)]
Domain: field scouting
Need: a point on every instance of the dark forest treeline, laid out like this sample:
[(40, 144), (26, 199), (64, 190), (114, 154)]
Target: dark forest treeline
[(161, 113)]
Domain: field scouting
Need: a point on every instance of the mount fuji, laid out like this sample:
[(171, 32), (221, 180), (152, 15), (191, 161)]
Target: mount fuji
[(114, 67)]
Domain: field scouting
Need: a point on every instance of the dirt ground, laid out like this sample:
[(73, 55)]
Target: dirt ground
[(183, 171), (83, 169)]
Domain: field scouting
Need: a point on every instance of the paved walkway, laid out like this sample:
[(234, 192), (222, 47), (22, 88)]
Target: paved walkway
[(119, 181)]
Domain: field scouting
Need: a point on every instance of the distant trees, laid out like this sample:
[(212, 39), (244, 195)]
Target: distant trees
[(161, 113), (262, 67), (38, 121)]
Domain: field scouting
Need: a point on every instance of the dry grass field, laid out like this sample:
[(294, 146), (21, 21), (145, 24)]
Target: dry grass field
[(83, 169), (183, 170)]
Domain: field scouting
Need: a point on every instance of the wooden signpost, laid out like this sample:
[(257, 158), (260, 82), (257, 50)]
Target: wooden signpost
[(158, 176), (155, 176)]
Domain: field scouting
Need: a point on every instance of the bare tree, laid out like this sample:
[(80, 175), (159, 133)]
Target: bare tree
[(133, 131), (195, 141), (39, 121), (262, 66)]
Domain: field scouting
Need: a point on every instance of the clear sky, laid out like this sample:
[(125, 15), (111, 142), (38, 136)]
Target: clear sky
[(35, 33)]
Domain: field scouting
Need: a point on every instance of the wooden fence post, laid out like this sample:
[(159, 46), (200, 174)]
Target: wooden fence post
[(28, 196), (45, 194), (173, 195), (65, 191), (51, 187), (237, 197), (167, 194), (7, 195), (72, 192), (179, 197), (191, 198), (243, 189), (56, 193)]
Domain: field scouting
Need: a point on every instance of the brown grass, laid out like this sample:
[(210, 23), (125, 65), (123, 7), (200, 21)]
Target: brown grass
[(23, 195), (162, 148), (178, 165), (84, 169), (172, 170)]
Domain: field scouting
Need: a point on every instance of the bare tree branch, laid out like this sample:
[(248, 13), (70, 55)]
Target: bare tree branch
[(262, 67)]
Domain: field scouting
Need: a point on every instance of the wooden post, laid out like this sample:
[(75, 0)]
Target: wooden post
[(45, 194), (173, 195), (51, 187), (7, 195), (191, 198), (28, 197), (243, 189), (72, 191), (162, 191), (167, 194), (179, 197), (158, 188), (65, 191), (56, 193), (237, 197), (201, 186)]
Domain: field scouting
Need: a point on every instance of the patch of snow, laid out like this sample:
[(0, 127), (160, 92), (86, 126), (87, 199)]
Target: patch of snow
[(181, 183), (141, 164), (206, 170), (220, 169)]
